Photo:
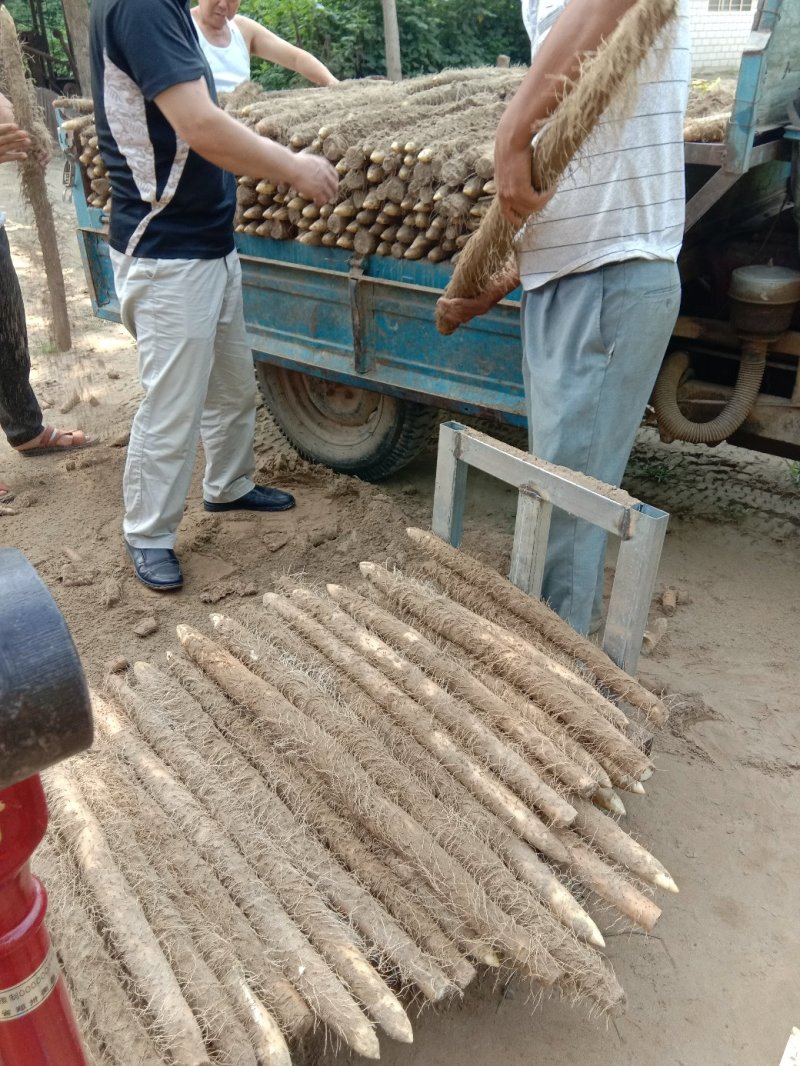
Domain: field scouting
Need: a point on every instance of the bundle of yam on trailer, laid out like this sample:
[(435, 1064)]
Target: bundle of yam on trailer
[(321, 814), (415, 158)]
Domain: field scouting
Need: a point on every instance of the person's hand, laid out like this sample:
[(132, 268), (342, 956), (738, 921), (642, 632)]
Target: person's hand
[(315, 178), (516, 195), (455, 312), (44, 154), (14, 143), (452, 312)]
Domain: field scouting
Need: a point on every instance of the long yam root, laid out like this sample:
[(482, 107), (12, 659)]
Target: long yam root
[(454, 714), (332, 882), (435, 810), (356, 792), (127, 922), (463, 593), (301, 794), (299, 961), (613, 841), (410, 716), (467, 629), (239, 811), (426, 655), (546, 621), (95, 980), (592, 871)]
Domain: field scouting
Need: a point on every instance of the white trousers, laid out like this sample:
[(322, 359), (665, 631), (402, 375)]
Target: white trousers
[(196, 369)]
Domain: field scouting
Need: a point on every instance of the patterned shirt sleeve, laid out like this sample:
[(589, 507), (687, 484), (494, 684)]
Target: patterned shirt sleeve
[(150, 42)]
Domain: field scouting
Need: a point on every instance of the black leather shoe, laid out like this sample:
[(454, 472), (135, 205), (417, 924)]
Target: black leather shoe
[(258, 498), (158, 568)]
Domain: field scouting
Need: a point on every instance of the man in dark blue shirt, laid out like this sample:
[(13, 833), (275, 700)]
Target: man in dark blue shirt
[(171, 153)]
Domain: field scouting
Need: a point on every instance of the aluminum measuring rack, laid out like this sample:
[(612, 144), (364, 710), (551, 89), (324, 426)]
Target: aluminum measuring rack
[(542, 486)]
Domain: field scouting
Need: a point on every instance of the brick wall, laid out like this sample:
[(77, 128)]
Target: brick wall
[(719, 37)]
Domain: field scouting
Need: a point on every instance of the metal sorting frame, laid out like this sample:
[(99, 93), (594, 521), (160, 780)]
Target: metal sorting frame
[(640, 527)]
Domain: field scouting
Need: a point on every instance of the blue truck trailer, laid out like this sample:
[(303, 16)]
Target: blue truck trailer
[(355, 374)]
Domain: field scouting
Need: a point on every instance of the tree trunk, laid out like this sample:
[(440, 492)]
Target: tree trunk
[(391, 35), (76, 14), (20, 94)]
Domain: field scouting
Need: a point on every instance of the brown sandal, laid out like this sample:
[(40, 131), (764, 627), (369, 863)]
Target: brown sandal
[(49, 442), (6, 493)]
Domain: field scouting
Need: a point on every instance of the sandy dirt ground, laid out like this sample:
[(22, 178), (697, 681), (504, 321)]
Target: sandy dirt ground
[(717, 984)]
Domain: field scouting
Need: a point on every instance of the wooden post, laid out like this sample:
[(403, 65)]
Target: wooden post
[(76, 16), (20, 92), (391, 36)]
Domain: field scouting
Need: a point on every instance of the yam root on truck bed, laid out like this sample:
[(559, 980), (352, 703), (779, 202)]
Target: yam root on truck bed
[(415, 159)]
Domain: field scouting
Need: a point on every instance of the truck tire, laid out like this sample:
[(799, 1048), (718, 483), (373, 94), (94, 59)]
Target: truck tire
[(355, 431)]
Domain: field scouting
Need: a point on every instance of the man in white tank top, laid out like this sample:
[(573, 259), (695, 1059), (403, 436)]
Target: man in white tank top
[(228, 41), (598, 269)]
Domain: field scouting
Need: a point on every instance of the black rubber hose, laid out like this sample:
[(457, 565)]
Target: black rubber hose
[(673, 425)]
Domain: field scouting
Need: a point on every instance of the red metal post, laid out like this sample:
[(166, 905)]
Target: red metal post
[(37, 1027)]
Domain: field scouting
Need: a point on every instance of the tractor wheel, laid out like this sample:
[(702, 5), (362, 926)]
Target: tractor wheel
[(352, 430)]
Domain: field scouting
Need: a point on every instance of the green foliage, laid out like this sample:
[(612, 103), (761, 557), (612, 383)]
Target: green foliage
[(20, 12), (347, 35), (53, 13)]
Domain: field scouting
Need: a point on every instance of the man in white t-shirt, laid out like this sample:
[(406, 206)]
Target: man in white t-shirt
[(597, 265), (229, 40)]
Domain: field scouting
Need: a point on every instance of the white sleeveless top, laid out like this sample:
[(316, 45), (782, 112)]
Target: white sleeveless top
[(229, 66), (623, 196)]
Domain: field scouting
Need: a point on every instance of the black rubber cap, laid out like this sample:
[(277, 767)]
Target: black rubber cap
[(45, 710)]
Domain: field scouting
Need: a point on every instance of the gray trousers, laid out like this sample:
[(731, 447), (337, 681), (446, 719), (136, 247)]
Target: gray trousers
[(20, 414), (196, 369), (593, 344)]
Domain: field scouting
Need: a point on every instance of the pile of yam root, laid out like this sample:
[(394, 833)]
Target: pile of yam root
[(415, 159), (330, 810)]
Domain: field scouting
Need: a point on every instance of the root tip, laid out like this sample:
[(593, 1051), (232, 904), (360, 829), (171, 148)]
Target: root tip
[(608, 800), (403, 1033), (367, 1048), (596, 937), (667, 883)]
